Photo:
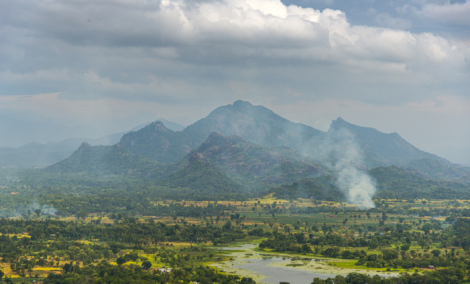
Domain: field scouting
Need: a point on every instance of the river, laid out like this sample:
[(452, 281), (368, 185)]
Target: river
[(272, 269)]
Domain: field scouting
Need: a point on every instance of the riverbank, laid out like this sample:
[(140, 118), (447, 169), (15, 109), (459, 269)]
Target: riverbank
[(271, 268)]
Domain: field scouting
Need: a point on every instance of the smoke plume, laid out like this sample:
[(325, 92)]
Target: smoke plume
[(344, 155), (29, 209)]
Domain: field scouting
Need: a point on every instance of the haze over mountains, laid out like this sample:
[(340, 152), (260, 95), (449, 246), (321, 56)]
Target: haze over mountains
[(241, 148), (37, 155)]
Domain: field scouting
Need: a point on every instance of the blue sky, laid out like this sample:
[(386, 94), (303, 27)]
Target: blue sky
[(398, 66)]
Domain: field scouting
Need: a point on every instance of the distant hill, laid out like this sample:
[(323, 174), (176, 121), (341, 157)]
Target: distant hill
[(256, 166), (255, 124), (158, 143), (168, 124), (202, 178), (382, 149), (232, 160), (172, 125), (168, 142), (104, 160), (397, 182), (434, 169), (241, 147), (259, 125), (262, 126), (37, 155)]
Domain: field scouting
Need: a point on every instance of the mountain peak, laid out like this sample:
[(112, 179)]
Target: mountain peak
[(387, 149), (217, 139), (340, 122), (213, 139), (159, 126), (242, 104), (84, 145), (215, 136)]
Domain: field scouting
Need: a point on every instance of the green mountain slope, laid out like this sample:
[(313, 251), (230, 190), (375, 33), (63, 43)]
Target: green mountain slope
[(105, 160), (380, 148), (202, 178), (259, 125), (396, 182), (433, 169), (255, 124), (158, 143), (256, 166)]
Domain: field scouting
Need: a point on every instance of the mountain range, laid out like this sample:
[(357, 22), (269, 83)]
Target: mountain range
[(259, 125), (245, 148), (37, 155)]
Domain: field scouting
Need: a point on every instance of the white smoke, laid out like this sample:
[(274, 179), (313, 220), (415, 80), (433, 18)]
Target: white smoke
[(344, 155), (28, 210), (45, 209)]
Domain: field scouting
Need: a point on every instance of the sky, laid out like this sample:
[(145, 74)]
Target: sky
[(398, 66)]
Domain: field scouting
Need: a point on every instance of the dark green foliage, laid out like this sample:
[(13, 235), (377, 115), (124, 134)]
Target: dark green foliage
[(396, 182), (104, 272), (256, 166), (146, 265), (433, 169), (126, 230), (116, 201), (202, 178), (321, 188), (451, 276), (287, 243)]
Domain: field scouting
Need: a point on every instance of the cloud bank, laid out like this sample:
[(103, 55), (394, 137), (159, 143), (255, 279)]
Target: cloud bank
[(174, 51)]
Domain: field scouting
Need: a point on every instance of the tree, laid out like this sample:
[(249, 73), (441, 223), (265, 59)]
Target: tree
[(1, 274), (67, 267), (82, 214), (120, 260), (384, 216), (405, 247), (427, 228), (436, 252), (146, 264), (228, 225)]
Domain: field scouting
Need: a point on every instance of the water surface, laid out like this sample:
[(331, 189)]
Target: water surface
[(272, 269)]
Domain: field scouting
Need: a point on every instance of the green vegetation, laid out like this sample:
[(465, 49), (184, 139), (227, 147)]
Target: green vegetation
[(433, 169), (116, 214), (203, 179), (321, 188), (158, 143), (396, 182), (397, 235)]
